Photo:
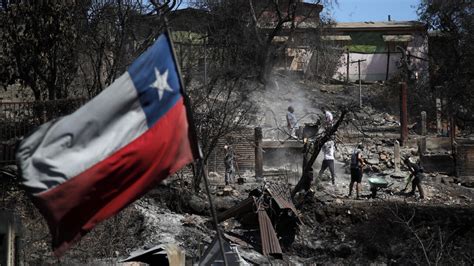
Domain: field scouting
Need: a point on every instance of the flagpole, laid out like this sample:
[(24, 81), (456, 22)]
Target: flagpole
[(196, 147)]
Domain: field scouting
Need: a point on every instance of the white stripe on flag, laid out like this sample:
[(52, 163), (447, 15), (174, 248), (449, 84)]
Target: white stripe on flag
[(60, 150)]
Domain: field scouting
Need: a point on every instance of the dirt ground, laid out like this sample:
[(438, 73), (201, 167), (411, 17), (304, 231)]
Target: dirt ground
[(385, 229), (390, 229)]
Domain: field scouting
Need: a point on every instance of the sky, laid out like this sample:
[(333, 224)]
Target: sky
[(373, 10)]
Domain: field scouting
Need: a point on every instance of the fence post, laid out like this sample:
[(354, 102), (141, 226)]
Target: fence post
[(439, 126), (423, 123), (258, 153)]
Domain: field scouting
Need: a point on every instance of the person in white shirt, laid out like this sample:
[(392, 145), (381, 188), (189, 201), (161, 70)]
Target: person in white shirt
[(328, 117), (328, 162)]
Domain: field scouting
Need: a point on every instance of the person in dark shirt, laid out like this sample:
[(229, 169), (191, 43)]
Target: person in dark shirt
[(357, 166), (416, 177)]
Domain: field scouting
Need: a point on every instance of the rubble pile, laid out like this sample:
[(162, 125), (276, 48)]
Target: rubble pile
[(378, 154), (372, 120), (268, 212)]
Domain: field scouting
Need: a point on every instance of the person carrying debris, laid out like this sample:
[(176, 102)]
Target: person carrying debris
[(328, 150), (416, 176), (357, 166), (291, 121), (328, 118), (229, 164)]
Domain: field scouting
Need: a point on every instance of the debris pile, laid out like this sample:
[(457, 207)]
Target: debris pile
[(371, 120), (266, 220), (379, 155)]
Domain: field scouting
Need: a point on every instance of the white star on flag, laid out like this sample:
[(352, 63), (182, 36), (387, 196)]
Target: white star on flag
[(161, 83)]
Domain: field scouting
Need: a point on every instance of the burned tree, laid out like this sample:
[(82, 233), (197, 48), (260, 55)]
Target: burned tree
[(231, 50), (219, 109), (312, 147), (113, 34), (260, 32), (451, 58), (38, 47), (58, 50)]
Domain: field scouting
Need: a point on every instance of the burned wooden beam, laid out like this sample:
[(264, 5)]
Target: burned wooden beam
[(258, 153)]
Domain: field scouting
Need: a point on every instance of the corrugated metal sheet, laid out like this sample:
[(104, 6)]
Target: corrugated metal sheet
[(269, 239), (282, 198)]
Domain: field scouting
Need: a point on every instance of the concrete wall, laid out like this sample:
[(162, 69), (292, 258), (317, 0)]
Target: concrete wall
[(435, 154), (465, 162)]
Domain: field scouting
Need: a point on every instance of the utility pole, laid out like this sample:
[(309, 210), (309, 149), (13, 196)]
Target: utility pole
[(347, 67), (360, 81), (403, 113)]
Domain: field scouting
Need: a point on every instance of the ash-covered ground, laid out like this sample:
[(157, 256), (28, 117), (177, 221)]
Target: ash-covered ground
[(392, 228)]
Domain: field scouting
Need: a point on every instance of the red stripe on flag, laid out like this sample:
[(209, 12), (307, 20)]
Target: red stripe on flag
[(73, 208)]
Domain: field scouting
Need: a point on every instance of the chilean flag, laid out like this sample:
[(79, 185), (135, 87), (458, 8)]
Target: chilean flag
[(87, 166)]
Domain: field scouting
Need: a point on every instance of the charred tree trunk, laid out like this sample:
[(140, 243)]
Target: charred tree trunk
[(307, 176), (197, 175)]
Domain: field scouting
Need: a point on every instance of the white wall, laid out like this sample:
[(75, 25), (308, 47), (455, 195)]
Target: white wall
[(375, 66)]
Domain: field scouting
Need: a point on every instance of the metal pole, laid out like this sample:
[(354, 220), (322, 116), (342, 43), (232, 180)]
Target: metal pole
[(214, 214), (388, 61), (360, 85), (205, 62), (347, 67), (360, 81), (196, 147)]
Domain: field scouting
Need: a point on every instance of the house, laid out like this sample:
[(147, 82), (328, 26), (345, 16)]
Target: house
[(295, 37), (377, 46)]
